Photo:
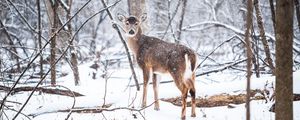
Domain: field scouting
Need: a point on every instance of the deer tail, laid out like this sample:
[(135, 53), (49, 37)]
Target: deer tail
[(190, 68)]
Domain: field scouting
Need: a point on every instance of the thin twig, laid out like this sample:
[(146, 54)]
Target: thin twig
[(65, 51), (115, 26), (38, 54), (170, 20), (74, 99), (24, 20), (226, 41)]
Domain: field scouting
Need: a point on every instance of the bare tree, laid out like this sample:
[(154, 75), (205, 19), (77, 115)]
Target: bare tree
[(272, 12), (40, 37), (263, 37), (52, 9), (297, 9), (136, 7), (74, 62), (249, 55), (160, 18), (183, 9), (12, 49), (284, 60)]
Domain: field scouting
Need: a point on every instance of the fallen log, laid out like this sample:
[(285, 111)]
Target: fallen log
[(42, 89)]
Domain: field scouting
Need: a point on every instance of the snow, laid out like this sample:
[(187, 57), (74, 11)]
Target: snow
[(120, 95)]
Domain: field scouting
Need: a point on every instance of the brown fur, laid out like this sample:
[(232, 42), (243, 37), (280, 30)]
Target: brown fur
[(156, 56)]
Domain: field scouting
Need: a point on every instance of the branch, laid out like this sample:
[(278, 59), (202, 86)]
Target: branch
[(42, 89), (221, 69), (124, 43), (219, 24), (226, 41), (63, 54), (24, 19), (65, 51), (171, 19), (64, 5), (38, 54)]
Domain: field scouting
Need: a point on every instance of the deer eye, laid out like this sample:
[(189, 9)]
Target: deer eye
[(127, 23), (136, 23)]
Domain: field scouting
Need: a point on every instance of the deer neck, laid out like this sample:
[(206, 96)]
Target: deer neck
[(133, 42)]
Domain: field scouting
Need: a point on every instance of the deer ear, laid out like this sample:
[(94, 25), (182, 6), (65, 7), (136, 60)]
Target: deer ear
[(120, 17), (143, 17)]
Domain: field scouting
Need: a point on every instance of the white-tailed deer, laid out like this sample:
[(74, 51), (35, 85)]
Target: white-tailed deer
[(156, 56)]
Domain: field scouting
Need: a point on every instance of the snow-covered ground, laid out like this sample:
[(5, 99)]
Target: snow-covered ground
[(120, 95)]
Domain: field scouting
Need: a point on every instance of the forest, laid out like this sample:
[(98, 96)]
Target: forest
[(75, 59)]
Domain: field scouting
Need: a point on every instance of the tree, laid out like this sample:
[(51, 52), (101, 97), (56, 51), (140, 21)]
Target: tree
[(52, 9), (263, 36), (284, 59), (297, 9), (12, 49), (136, 7), (181, 20), (74, 62), (249, 55), (40, 37)]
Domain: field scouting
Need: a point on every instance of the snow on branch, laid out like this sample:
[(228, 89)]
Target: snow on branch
[(42, 89), (219, 24), (64, 5)]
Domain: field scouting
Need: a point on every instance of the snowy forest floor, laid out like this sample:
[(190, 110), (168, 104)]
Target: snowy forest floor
[(122, 102)]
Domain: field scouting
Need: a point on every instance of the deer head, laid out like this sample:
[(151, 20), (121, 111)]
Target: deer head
[(132, 24)]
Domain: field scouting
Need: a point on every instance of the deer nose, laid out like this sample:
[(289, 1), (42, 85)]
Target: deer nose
[(131, 32)]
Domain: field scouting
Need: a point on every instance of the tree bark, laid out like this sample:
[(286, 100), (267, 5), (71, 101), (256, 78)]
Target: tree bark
[(160, 9), (12, 49), (74, 62), (297, 7), (249, 55), (54, 26), (284, 60), (263, 37), (272, 12), (136, 7), (40, 37), (181, 21), (42, 89)]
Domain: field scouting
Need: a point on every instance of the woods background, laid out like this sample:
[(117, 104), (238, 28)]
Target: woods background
[(39, 37)]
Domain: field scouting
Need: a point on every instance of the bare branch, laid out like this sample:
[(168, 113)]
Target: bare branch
[(35, 57), (64, 5), (124, 43)]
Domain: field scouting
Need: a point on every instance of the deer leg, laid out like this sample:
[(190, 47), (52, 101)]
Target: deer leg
[(183, 97), (156, 105), (193, 95), (193, 92), (146, 75)]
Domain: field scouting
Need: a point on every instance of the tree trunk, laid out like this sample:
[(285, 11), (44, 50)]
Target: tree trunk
[(284, 60), (160, 19), (181, 21), (40, 37), (74, 62), (249, 55), (297, 7), (272, 12), (53, 5), (136, 7), (263, 37), (12, 49)]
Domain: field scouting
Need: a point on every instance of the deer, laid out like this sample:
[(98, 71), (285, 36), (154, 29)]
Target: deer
[(157, 57)]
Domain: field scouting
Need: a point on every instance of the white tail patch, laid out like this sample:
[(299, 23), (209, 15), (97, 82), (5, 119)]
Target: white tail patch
[(188, 70)]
